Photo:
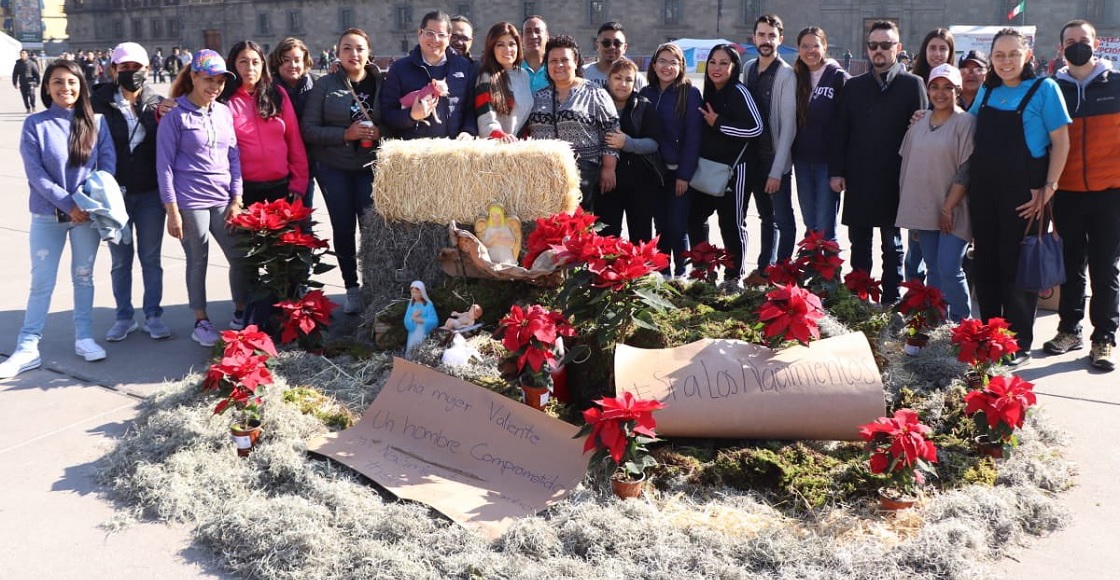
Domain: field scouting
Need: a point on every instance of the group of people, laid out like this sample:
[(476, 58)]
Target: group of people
[(955, 154)]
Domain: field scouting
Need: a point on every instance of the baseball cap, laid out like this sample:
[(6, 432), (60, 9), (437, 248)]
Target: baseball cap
[(946, 71), (210, 63), (975, 56), (130, 52)]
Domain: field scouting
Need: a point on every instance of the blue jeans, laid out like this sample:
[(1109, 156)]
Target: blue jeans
[(670, 217), (775, 211), (146, 216), (819, 204), (348, 195), (48, 238), (915, 262), (943, 253)]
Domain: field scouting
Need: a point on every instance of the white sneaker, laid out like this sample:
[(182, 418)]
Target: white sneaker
[(88, 349), (20, 361), (353, 301)]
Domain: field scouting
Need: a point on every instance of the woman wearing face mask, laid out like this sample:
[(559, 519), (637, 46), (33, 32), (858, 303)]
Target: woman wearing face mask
[(730, 119), (60, 147), (129, 106), (640, 172), (1021, 145), (199, 171), (678, 106), (503, 97)]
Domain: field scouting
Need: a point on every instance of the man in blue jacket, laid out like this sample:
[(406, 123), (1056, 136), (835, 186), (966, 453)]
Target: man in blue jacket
[(432, 115)]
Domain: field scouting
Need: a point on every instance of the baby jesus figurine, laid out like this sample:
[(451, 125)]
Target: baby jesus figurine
[(461, 320)]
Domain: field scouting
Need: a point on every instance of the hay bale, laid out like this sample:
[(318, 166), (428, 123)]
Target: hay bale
[(441, 180)]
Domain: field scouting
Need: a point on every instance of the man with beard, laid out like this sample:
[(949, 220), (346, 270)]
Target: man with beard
[(773, 86), (611, 44), (1087, 201), (874, 114), (462, 36), (534, 36)]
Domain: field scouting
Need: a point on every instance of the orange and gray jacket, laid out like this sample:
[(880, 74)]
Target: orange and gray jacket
[(1094, 104)]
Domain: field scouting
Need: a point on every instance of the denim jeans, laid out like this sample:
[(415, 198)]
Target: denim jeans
[(775, 211), (915, 265), (196, 245), (348, 195), (48, 238), (943, 254), (670, 217), (891, 245), (146, 216), (819, 204)]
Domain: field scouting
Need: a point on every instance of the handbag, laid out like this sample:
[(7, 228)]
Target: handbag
[(712, 177), (1041, 265)]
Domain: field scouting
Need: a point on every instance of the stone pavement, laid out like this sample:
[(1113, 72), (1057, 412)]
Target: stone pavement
[(59, 420)]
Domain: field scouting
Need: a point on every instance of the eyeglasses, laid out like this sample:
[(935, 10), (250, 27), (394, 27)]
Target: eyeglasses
[(433, 35), (882, 45), (609, 42), (668, 63), (460, 38)]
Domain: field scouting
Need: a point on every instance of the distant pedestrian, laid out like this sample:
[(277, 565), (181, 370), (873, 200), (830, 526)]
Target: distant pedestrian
[(60, 147), (25, 77), (156, 66)]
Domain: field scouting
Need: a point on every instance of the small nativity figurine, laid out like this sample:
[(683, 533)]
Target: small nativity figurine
[(500, 234), (420, 317), (465, 319)]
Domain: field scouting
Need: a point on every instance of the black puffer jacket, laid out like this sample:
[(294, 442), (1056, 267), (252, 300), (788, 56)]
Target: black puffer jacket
[(136, 169)]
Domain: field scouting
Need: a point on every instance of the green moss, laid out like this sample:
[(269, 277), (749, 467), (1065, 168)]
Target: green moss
[(312, 402)]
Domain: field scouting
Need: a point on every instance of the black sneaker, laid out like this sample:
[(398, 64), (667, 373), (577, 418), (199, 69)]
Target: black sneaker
[(1021, 359), (1063, 343)]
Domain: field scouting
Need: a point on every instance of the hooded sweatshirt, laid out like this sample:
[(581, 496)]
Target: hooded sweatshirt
[(197, 161), (1094, 136)]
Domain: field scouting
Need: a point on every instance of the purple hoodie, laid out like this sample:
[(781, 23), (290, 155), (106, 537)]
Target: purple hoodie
[(197, 162)]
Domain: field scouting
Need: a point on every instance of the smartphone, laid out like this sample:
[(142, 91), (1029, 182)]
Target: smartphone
[(61, 216)]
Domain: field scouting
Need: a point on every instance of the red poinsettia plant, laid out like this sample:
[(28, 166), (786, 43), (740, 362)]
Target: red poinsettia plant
[(305, 318), (272, 236), (620, 428), (242, 369), (899, 449), (820, 262), (553, 230), (609, 286), (863, 285), (923, 306), (791, 313), (1000, 408), (984, 346), (706, 260), (533, 336), (785, 273)]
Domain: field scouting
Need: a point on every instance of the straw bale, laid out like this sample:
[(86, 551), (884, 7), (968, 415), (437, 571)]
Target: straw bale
[(394, 253), (444, 180)]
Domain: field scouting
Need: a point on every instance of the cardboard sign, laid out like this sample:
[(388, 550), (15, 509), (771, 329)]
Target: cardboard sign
[(730, 388), (479, 458)]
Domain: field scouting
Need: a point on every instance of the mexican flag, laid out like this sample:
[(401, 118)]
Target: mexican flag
[(1017, 10)]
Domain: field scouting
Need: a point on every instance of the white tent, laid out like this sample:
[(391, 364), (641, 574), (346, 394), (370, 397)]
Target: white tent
[(9, 54), (980, 37), (696, 51)]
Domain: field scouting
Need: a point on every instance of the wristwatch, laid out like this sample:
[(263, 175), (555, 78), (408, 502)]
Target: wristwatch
[(1053, 185)]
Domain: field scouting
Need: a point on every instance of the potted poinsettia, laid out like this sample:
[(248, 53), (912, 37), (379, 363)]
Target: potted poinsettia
[(983, 347), (863, 285), (785, 273), (533, 336), (998, 410), (620, 428), (791, 313), (898, 449), (303, 319), (706, 260), (820, 262), (924, 308), (242, 369)]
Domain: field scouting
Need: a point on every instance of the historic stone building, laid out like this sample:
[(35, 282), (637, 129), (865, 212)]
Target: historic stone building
[(392, 23)]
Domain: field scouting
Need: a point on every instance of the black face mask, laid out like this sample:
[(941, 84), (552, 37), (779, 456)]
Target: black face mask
[(1078, 54), (131, 80)]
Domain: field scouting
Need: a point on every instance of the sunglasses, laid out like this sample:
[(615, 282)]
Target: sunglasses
[(883, 45), (608, 42)]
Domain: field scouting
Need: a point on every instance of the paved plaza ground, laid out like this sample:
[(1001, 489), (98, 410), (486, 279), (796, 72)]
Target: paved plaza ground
[(59, 420)]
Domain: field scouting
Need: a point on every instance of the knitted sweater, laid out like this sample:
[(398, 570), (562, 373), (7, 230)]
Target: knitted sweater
[(44, 146)]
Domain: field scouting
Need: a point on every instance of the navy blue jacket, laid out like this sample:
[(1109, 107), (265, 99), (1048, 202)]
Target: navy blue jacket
[(680, 137), (455, 111)]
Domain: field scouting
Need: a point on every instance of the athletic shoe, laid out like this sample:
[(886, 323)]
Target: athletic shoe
[(1063, 343), (353, 301), (238, 320), (88, 349), (155, 328), (756, 278), (1100, 356), (1019, 359), (20, 361), (121, 329), (204, 333)]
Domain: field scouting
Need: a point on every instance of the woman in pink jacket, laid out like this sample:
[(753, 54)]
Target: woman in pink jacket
[(273, 158)]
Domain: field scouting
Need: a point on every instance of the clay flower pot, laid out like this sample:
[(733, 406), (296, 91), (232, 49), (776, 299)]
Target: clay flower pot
[(893, 500), (915, 343), (534, 396), (990, 449), (246, 438), (626, 488)]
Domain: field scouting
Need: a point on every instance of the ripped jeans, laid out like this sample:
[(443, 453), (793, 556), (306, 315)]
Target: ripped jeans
[(48, 239)]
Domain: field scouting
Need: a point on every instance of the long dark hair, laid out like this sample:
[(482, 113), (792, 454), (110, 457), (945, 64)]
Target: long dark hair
[(501, 94), (266, 96), (804, 75), (563, 41), (83, 132), (921, 62), (736, 67), (992, 80), (682, 83)]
